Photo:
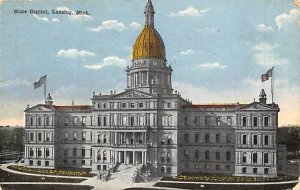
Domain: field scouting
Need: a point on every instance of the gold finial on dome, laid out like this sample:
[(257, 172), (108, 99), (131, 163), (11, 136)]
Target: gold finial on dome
[(149, 44)]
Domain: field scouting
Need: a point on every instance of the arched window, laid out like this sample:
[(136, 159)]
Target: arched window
[(162, 158), (74, 151), (254, 157), (217, 155), (169, 158), (162, 169), (47, 152), (104, 155), (266, 158), (228, 155), (99, 155), (244, 157)]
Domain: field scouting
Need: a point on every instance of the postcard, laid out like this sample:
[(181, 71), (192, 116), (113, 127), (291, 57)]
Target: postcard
[(132, 94)]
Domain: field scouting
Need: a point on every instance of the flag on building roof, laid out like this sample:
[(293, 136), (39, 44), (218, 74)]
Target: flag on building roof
[(40, 82), (267, 75)]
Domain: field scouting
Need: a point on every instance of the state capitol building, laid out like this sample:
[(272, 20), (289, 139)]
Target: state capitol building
[(150, 123)]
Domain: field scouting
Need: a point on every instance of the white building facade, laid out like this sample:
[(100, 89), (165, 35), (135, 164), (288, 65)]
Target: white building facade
[(149, 123)]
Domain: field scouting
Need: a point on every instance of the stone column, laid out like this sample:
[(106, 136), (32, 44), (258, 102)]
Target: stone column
[(133, 159)]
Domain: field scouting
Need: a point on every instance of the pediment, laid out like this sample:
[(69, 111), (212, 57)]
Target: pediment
[(258, 106), (133, 94), (39, 108)]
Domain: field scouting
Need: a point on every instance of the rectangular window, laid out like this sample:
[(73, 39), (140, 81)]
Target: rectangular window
[(65, 152), (141, 105), (131, 120), (255, 121), (255, 170), (217, 167), (186, 138), (131, 105), (266, 171), (266, 140), (39, 136), (207, 155), (255, 140), (229, 121), (244, 170), (266, 121), (228, 138), (83, 121), (47, 136), (99, 121), (31, 136), (66, 136), (104, 121), (206, 166), (186, 120), (123, 105), (74, 136), (104, 105), (186, 154), (207, 139), (218, 121), (244, 121), (168, 105), (244, 139), (196, 138), (218, 155), (206, 120), (66, 120), (46, 163), (83, 136), (218, 138), (227, 167)]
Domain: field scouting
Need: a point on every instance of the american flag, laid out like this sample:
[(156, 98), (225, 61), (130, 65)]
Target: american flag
[(267, 75), (40, 82)]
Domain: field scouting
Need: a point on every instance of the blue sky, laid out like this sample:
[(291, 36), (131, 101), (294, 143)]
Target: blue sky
[(218, 50)]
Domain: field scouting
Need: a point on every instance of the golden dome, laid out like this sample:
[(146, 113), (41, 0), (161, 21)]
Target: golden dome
[(149, 44)]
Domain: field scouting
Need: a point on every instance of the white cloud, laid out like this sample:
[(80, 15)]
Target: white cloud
[(187, 52), (285, 19), (265, 56), (44, 19), (108, 61), (72, 53), (110, 25), (189, 11), (73, 16), (55, 20), (264, 28), (134, 25), (214, 65), (16, 82)]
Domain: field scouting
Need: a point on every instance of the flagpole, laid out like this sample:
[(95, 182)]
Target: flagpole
[(272, 84), (45, 92)]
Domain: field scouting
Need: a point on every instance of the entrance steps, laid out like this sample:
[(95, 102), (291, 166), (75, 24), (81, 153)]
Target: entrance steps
[(124, 173)]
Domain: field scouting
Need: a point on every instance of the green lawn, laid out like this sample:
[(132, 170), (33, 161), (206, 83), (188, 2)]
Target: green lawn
[(46, 187), (11, 177)]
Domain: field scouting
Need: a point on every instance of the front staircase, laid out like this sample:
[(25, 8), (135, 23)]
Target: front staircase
[(124, 173)]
